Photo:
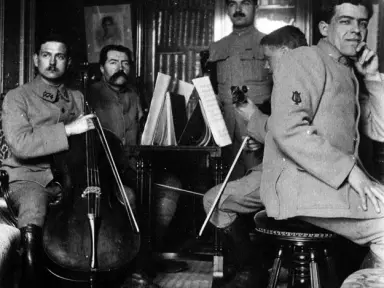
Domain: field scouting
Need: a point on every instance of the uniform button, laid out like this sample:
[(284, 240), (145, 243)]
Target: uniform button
[(308, 132), (284, 159)]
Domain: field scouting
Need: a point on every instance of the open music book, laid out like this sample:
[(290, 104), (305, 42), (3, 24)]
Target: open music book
[(189, 116)]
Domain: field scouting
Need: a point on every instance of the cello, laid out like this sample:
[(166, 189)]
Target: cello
[(91, 234)]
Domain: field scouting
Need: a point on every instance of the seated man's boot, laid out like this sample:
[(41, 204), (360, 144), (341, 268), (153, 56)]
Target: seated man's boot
[(139, 280), (31, 255), (246, 257)]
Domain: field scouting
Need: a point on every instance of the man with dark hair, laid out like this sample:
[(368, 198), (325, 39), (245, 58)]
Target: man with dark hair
[(38, 118), (242, 197), (287, 36), (117, 105), (237, 59), (311, 167)]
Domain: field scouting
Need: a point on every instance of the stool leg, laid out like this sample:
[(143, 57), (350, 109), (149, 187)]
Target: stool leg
[(314, 270), (275, 269), (333, 282)]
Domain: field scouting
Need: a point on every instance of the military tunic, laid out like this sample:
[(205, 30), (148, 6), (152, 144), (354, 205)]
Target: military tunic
[(239, 60), (313, 137), (243, 196), (33, 121)]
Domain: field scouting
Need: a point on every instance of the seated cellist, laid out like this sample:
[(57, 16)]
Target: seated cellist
[(37, 120)]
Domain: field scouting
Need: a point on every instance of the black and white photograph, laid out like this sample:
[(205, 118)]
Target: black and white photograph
[(192, 143)]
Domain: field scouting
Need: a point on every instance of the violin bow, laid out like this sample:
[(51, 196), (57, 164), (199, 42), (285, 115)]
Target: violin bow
[(115, 171), (213, 207)]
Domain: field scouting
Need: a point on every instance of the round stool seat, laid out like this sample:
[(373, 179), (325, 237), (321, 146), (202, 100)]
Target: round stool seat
[(302, 248), (291, 229), (365, 278)]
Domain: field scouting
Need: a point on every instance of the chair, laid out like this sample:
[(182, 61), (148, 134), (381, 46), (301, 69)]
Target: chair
[(9, 234), (301, 247)]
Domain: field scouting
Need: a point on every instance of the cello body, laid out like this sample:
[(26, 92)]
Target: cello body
[(70, 229)]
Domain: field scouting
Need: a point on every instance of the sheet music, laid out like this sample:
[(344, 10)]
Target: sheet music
[(185, 89), (170, 128), (208, 132), (211, 108), (161, 87)]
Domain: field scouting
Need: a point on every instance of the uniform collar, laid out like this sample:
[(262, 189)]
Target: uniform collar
[(334, 53), (243, 31), (49, 92)]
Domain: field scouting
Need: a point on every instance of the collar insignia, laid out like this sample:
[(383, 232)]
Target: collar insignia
[(49, 97), (296, 97)]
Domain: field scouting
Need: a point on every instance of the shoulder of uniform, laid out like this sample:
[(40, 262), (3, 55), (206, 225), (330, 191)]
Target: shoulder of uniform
[(19, 92), (219, 43), (304, 55), (304, 58), (75, 92)]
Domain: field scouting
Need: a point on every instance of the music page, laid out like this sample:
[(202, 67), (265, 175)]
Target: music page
[(212, 111), (185, 89), (161, 87)]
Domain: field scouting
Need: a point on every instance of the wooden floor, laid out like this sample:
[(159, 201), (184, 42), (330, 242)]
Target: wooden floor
[(199, 275)]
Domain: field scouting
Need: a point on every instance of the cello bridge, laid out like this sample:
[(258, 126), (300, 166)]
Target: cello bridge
[(92, 190)]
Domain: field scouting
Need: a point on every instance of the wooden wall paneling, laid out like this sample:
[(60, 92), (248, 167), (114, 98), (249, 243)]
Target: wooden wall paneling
[(27, 40), (304, 19), (149, 49), (11, 30)]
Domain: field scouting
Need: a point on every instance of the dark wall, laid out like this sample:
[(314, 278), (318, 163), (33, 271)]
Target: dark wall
[(64, 17), (11, 44), (68, 17)]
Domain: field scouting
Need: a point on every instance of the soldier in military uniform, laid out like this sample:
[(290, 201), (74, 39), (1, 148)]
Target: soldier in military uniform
[(238, 59), (311, 166), (242, 196), (37, 120)]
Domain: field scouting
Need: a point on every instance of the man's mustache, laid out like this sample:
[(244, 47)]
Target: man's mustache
[(52, 68), (115, 76), (238, 14)]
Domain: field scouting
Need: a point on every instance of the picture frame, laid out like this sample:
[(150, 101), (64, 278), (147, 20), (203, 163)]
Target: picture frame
[(104, 25)]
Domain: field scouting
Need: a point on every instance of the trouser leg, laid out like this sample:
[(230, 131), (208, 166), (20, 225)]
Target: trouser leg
[(361, 231), (165, 206), (239, 197), (165, 209), (139, 278), (30, 201)]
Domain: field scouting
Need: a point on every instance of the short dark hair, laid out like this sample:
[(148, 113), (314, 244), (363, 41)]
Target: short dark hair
[(53, 37), (119, 48), (288, 36), (107, 19), (328, 9), (254, 2)]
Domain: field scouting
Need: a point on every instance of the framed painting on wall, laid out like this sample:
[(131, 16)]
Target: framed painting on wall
[(107, 25)]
